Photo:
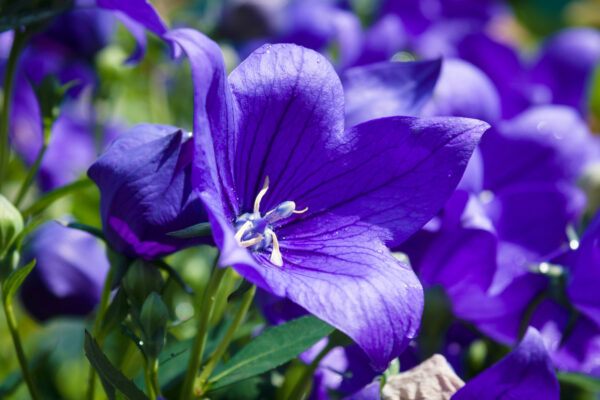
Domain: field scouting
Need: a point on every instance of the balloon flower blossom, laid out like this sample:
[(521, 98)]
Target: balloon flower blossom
[(307, 209)]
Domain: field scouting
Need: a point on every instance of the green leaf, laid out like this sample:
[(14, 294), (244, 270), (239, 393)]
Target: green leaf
[(201, 229), (92, 230), (271, 349), (14, 281), (11, 225), (173, 274), (110, 376), (595, 93), (15, 16), (116, 312), (47, 199), (583, 381)]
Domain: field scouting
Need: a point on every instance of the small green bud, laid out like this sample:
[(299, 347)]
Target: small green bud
[(11, 225), (153, 321), (141, 279)]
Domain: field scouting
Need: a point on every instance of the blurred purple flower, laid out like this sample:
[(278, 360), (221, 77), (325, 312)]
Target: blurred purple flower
[(67, 50), (145, 197), (70, 269), (483, 246), (364, 187), (525, 373), (463, 90), (388, 89), (565, 65)]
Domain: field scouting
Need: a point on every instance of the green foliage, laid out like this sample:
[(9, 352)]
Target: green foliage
[(15, 14), (14, 282), (11, 225), (112, 379), (153, 320), (201, 229), (271, 349), (141, 279)]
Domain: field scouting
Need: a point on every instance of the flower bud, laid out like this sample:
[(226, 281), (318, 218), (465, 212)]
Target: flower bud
[(145, 191)]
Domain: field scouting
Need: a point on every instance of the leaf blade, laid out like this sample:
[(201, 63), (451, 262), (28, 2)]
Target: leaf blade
[(110, 376), (271, 349)]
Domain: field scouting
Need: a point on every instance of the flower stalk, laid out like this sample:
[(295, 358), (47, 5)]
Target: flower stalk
[(9, 75), (200, 384), (204, 310), (102, 308), (14, 332)]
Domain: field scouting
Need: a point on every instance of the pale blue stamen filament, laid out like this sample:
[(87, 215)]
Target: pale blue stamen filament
[(254, 230)]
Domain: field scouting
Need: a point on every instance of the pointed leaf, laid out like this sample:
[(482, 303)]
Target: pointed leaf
[(14, 282), (271, 349), (111, 377)]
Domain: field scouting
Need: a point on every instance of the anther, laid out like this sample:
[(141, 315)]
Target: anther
[(300, 211), (276, 257)]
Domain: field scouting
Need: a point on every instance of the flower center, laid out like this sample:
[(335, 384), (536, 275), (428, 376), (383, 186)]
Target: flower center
[(255, 231)]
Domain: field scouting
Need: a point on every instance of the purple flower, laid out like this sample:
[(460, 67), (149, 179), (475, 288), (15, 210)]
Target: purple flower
[(483, 246), (67, 49), (566, 63), (463, 90), (305, 209), (69, 273), (573, 341), (388, 89), (144, 198), (526, 373)]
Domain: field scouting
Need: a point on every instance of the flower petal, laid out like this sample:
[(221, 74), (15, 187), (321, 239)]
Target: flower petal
[(545, 143), (352, 282), (585, 275), (291, 103), (526, 373), (213, 116), (391, 174), (463, 90), (388, 89)]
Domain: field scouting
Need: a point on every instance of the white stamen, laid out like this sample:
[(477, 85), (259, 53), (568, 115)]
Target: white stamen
[(301, 211), (276, 258), (261, 194), (243, 229), (251, 242)]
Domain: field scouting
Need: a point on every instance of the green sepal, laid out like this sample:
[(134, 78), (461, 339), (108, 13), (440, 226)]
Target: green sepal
[(201, 229), (112, 379), (50, 94), (141, 279)]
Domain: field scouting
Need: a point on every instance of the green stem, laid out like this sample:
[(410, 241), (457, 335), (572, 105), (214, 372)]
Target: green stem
[(14, 332), (151, 378), (205, 311), (200, 383), (102, 307), (9, 75), (148, 379), (300, 390), (31, 174)]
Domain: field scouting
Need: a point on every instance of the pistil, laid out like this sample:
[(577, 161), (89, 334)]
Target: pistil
[(255, 231)]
